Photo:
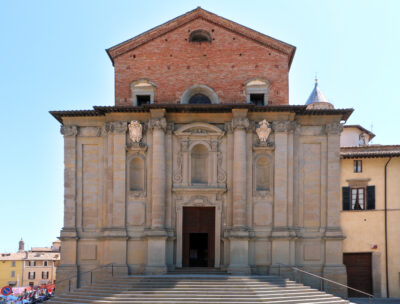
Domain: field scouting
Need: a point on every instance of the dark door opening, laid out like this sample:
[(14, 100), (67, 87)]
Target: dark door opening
[(198, 249), (198, 237), (359, 272)]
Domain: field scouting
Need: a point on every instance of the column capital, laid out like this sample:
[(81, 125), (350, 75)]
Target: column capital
[(283, 125), (240, 123), (69, 130), (228, 127), (117, 127), (333, 128), (158, 124)]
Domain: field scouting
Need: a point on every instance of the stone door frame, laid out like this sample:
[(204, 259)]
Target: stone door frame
[(198, 201)]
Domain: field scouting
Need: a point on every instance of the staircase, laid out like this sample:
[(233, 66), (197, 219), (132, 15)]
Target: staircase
[(197, 289)]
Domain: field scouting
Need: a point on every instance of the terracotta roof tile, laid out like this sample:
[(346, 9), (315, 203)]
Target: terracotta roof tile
[(370, 151)]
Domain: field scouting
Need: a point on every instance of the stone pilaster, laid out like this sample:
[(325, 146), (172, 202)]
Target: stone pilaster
[(239, 236), (70, 133), (115, 235), (281, 236), (334, 268), (68, 236), (158, 125), (157, 236), (119, 130), (239, 125)]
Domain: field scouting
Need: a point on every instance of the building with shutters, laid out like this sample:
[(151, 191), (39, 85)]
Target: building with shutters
[(370, 217), (202, 161), (29, 267)]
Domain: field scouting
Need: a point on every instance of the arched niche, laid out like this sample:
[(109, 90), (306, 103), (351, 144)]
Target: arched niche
[(136, 174), (199, 162), (199, 89)]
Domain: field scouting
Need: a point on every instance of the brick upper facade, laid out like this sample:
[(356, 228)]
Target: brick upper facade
[(236, 54)]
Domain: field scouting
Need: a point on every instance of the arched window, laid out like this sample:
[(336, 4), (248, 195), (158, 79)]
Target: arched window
[(199, 166), (199, 93), (262, 174), (199, 98), (200, 36), (136, 174)]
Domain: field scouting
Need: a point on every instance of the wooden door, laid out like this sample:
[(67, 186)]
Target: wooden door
[(198, 223), (359, 272)]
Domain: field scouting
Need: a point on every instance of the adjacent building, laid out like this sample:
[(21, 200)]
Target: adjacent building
[(202, 161), (29, 268), (370, 217)]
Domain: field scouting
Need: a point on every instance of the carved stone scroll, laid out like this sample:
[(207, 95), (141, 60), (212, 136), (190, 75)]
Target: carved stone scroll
[(69, 130)]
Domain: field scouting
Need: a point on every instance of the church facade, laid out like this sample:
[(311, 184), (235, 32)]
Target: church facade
[(202, 162)]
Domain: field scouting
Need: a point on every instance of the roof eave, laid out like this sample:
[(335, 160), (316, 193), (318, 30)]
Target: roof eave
[(185, 108)]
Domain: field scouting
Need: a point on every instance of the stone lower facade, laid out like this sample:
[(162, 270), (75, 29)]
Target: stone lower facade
[(273, 189)]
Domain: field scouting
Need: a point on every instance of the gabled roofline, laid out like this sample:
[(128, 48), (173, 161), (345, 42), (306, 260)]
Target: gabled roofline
[(372, 135), (181, 20)]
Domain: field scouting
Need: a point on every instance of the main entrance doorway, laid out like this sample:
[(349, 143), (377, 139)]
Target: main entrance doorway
[(198, 234)]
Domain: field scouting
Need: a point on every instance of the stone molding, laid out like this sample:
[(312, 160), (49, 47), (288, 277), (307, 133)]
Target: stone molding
[(334, 128), (158, 124), (240, 123), (69, 130)]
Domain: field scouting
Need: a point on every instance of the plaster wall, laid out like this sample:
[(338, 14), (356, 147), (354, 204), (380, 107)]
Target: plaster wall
[(366, 228)]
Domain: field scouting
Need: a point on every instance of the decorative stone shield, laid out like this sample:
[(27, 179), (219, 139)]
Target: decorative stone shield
[(135, 131), (263, 130)]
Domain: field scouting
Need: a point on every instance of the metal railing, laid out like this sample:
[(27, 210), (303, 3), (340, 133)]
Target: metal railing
[(78, 276), (322, 280)]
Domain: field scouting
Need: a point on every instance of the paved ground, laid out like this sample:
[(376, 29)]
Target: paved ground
[(375, 301)]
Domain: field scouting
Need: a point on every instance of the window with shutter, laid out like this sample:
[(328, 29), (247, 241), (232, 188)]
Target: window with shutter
[(370, 197), (346, 198)]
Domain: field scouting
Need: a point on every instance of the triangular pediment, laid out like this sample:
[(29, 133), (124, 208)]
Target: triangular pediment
[(177, 22)]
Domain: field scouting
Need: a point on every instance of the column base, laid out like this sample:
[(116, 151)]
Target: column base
[(338, 274), (64, 272), (239, 255), (156, 255)]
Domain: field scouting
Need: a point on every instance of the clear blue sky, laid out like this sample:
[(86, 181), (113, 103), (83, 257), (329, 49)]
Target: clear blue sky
[(52, 58)]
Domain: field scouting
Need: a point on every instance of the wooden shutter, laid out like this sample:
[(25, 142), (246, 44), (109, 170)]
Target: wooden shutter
[(370, 197), (346, 198)]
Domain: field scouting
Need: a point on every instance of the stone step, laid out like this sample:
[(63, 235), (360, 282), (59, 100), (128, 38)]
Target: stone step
[(190, 289), (172, 292), (167, 301)]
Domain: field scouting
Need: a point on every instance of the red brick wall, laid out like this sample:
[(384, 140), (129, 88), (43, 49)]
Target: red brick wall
[(174, 64)]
